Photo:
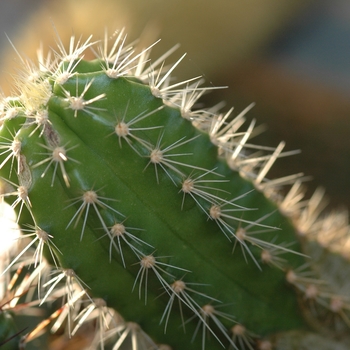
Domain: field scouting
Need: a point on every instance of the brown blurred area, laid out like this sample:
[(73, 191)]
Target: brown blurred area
[(215, 34), (226, 42), (310, 117)]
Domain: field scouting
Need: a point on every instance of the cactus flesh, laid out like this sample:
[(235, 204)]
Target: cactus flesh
[(154, 216)]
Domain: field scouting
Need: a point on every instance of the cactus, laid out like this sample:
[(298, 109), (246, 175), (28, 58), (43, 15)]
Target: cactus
[(153, 221)]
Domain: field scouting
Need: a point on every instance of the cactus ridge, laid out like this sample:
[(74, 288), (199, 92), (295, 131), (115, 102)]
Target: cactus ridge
[(150, 211)]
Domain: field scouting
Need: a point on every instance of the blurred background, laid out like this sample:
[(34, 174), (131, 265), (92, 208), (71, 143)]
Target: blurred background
[(290, 57)]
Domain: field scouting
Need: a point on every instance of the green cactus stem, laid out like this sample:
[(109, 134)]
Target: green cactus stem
[(145, 205)]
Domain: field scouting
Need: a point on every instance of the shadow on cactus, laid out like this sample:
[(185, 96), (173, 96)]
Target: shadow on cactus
[(151, 224)]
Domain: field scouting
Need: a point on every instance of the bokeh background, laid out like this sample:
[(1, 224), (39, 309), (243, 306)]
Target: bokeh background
[(290, 57)]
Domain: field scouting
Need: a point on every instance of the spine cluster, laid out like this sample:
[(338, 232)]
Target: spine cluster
[(154, 222)]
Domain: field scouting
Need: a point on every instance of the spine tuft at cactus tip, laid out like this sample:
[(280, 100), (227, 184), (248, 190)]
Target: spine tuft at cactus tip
[(147, 223)]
